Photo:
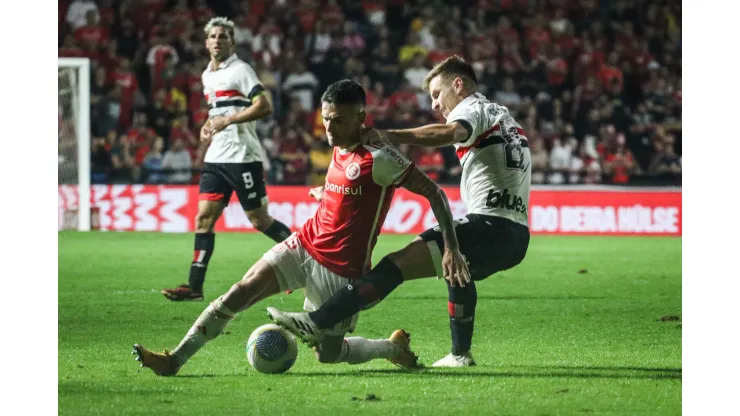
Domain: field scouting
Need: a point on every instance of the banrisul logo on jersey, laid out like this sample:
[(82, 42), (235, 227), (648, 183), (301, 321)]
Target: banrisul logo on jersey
[(503, 199)]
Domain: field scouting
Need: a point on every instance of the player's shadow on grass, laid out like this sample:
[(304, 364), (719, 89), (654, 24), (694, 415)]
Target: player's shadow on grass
[(526, 372)]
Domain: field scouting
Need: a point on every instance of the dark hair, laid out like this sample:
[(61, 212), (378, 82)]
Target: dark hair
[(454, 66), (345, 91)]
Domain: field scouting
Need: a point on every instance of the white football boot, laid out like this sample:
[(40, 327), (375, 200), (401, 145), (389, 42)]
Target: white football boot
[(299, 324), (452, 360)]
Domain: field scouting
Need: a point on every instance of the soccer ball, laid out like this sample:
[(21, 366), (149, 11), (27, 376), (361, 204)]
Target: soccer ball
[(271, 349)]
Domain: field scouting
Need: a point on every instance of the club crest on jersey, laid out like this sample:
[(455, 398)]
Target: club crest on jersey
[(352, 171)]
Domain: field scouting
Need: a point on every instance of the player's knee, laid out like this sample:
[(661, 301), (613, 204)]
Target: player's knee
[(238, 296), (260, 219), (204, 222)]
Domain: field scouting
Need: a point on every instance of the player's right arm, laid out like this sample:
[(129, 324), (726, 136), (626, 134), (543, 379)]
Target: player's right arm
[(205, 131), (454, 265)]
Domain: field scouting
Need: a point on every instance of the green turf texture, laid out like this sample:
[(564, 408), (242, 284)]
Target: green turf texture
[(575, 329)]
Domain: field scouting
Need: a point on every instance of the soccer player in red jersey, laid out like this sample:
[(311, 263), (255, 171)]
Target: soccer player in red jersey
[(332, 248)]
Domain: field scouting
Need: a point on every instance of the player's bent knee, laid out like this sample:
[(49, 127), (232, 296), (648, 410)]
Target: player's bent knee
[(415, 261), (260, 219)]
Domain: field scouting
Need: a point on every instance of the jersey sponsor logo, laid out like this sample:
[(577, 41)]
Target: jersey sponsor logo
[(343, 190), (395, 155), (502, 199), (353, 171)]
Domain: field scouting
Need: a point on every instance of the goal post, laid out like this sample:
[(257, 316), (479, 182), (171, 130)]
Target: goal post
[(74, 136)]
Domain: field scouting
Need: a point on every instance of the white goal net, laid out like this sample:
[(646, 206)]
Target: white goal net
[(74, 143)]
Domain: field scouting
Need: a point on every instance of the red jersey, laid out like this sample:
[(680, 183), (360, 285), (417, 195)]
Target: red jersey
[(357, 194)]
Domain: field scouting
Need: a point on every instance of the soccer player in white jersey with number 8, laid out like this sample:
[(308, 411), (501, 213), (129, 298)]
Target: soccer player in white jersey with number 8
[(233, 162), (494, 236)]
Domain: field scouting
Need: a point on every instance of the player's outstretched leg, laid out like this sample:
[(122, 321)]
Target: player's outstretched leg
[(205, 242), (358, 350), (412, 262), (461, 306), (259, 283), (362, 293)]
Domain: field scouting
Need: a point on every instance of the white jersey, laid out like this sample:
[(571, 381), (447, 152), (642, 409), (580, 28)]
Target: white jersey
[(497, 166), (228, 90)]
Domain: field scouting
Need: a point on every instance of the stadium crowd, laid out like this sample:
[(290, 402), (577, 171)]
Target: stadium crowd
[(595, 84)]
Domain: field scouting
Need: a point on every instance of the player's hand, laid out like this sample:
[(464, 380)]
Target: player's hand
[(205, 132), (455, 268), (317, 193), (219, 123)]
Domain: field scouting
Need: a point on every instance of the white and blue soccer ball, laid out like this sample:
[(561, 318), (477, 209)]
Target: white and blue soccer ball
[(271, 349)]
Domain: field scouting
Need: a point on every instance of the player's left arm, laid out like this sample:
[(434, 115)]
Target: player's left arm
[(453, 263), (260, 108), (432, 135)]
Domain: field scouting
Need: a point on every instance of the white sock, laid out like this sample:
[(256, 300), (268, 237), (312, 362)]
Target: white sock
[(208, 326), (357, 350)]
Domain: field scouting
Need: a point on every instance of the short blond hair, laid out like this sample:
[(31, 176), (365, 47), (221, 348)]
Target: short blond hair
[(220, 22), (454, 66)]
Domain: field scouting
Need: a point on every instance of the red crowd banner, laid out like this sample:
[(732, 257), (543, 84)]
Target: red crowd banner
[(172, 208)]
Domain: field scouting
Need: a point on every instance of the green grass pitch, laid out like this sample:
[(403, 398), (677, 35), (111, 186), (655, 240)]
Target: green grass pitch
[(575, 329)]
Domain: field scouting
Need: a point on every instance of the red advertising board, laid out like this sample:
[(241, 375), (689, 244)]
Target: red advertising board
[(598, 211)]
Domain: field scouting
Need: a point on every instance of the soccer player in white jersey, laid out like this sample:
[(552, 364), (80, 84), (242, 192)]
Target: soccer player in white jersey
[(494, 236), (334, 247), (233, 162)]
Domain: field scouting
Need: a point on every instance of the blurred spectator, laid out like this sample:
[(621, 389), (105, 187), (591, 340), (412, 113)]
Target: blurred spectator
[(384, 67), (124, 162), (404, 98), (540, 160), (508, 96), (293, 154), (267, 40), (352, 40), (319, 157), (431, 162), (412, 50), (100, 161), (618, 162), (560, 162), (152, 166), (665, 164), (77, 13), (178, 161), (301, 84), (91, 34)]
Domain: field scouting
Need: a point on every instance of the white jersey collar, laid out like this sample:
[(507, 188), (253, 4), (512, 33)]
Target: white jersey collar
[(225, 63)]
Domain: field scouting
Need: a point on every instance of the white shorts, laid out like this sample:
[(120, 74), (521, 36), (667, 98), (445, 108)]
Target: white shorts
[(296, 269)]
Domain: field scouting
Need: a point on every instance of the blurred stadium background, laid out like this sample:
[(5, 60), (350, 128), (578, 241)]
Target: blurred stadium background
[(596, 84)]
